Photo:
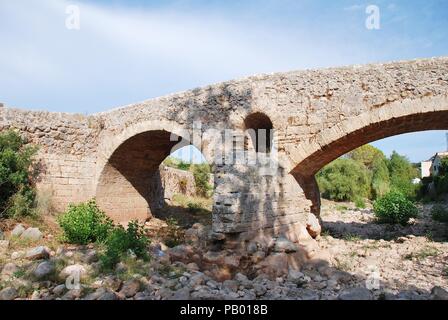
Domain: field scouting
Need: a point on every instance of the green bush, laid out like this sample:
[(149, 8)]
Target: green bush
[(360, 203), (201, 173), (194, 207), (85, 223), (394, 207), (17, 195), (439, 213), (344, 180), (121, 241), (174, 235)]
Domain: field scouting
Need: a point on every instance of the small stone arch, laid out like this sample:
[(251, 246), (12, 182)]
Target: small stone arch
[(260, 128)]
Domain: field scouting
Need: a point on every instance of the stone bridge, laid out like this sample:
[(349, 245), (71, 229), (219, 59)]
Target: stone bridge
[(316, 116)]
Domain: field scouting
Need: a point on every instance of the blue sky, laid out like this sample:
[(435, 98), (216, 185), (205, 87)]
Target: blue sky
[(128, 51)]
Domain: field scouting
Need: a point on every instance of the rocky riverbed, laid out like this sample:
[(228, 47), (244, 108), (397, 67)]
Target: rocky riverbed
[(355, 258)]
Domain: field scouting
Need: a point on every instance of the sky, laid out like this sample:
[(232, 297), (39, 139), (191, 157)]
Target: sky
[(128, 51)]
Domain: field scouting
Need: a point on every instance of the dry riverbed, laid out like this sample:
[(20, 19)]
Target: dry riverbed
[(358, 259)]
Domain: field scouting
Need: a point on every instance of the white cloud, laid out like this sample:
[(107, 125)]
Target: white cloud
[(122, 55), (355, 7)]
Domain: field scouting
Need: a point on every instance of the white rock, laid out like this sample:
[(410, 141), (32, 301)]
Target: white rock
[(37, 253), (18, 230), (32, 234), (17, 255), (73, 270)]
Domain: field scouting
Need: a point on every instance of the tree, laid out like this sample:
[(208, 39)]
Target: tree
[(401, 174), (201, 173), (380, 178), (16, 192), (344, 180), (367, 155)]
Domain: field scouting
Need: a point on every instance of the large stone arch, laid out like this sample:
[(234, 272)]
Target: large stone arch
[(428, 113), (128, 183)]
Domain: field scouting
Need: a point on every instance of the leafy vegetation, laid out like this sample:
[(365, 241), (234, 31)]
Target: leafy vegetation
[(173, 234), (360, 203), (201, 173), (344, 180), (394, 207), (423, 253), (17, 195), (123, 241), (366, 173), (439, 213), (435, 188), (177, 164), (85, 223)]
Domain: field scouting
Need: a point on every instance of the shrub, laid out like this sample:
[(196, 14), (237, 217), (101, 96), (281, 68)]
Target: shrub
[(121, 241), (174, 235), (194, 207), (85, 223), (17, 195), (201, 173), (360, 203), (394, 207), (439, 213), (183, 183)]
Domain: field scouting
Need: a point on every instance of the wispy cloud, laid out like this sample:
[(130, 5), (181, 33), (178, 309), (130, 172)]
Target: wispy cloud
[(355, 7)]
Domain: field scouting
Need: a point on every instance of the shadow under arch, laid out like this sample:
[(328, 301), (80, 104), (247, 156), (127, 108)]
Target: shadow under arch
[(128, 184), (321, 154)]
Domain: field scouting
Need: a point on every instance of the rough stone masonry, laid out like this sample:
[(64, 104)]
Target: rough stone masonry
[(317, 115)]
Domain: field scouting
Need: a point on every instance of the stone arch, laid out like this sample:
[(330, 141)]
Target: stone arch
[(128, 182), (260, 129), (401, 117)]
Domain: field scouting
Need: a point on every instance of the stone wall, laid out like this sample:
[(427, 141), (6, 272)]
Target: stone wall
[(317, 116)]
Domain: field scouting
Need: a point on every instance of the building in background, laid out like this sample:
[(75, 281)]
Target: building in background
[(432, 166), (425, 168)]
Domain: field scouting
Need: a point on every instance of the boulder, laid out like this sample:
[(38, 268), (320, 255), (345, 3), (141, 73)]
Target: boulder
[(108, 296), (31, 234), (44, 270), (37, 253), (231, 285), (284, 245), (73, 270), (17, 231), (59, 290), (4, 245), (9, 269), (214, 257), (182, 294), (130, 288), (438, 293), (181, 253), (72, 294), (17, 255), (357, 293), (275, 265), (8, 293), (313, 226)]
